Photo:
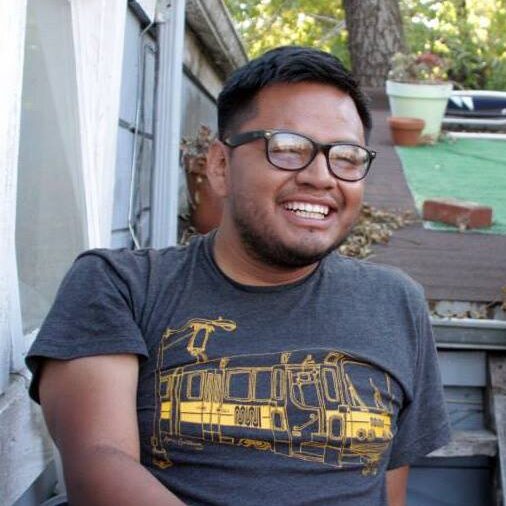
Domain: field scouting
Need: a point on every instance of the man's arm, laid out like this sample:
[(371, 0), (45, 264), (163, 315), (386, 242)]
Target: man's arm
[(397, 484), (90, 409)]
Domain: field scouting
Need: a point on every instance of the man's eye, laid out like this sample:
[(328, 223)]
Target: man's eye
[(347, 155), (289, 148), (343, 158)]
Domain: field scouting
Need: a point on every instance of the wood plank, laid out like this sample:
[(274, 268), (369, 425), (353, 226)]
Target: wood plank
[(463, 368), (469, 443), (497, 396)]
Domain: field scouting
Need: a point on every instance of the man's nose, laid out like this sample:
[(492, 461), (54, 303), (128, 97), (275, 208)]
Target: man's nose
[(317, 173)]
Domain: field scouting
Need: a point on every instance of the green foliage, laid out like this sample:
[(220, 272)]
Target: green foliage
[(469, 34), (266, 24), (497, 79), (468, 68), (410, 68)]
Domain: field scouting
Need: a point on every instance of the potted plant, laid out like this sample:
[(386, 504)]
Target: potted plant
[(205, 206), (417, 87)]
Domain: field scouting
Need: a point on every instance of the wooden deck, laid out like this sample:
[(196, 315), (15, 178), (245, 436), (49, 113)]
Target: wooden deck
[(451, 266)]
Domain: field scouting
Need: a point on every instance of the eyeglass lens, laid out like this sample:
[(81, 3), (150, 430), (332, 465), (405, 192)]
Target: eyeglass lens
[(291, 152)]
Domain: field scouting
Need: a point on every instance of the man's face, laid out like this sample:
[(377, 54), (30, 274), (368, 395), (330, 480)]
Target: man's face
[(277, 215)]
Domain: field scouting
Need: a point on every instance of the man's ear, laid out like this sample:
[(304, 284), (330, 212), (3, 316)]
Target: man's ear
[(218, 168)]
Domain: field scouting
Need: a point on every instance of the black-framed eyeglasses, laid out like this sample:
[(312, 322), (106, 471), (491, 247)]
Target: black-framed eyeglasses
[(289, 150)]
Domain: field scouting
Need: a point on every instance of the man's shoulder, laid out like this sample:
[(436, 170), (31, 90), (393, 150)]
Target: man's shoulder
[(365, 273), (120, 259), (131, 271), (116, 256)]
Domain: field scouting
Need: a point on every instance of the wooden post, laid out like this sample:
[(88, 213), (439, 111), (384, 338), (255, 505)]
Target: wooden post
[(497, 398)]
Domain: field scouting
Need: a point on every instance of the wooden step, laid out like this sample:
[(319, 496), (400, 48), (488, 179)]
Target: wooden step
[(469, 443)]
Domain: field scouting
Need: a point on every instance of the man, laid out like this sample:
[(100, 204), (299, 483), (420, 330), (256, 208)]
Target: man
[(255, 366)]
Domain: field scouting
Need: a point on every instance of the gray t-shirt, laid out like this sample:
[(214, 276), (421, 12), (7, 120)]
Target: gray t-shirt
[(302, 394)]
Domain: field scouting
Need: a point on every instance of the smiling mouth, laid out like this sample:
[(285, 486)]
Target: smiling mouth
[(307, 210)]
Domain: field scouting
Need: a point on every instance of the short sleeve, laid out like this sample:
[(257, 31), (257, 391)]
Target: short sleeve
[(423, 424), (93, 314)]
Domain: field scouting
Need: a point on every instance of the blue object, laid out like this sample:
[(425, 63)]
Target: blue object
[(477, 104)]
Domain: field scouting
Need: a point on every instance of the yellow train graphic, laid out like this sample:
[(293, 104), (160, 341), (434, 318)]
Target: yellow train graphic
[(301, 404)]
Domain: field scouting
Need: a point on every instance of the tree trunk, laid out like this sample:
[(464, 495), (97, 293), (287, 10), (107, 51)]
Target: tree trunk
[(375, 34)]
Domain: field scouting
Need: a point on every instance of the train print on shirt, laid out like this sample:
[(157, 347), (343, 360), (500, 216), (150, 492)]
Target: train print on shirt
[(317, 405)]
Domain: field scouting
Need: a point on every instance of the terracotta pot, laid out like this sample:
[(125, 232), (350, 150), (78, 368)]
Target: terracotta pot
[(406, 131), (205, 206)]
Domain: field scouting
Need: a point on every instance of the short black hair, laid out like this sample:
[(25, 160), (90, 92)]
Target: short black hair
[(285, 64)]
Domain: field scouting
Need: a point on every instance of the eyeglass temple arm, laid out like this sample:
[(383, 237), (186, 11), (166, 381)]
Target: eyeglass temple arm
[(237, 140)]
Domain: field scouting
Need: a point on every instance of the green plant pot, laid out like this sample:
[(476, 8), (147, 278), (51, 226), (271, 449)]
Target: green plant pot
[(424, 101)]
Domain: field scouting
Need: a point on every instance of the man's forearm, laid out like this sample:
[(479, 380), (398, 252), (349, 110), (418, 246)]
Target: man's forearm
[(104, 476), (397, 486)]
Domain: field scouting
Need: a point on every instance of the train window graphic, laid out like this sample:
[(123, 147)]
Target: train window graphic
[(302, 404)]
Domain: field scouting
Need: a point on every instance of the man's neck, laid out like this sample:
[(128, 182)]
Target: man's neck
[(235, 261)]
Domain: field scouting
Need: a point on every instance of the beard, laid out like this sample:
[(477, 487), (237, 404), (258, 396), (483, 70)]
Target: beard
[(263, 243)]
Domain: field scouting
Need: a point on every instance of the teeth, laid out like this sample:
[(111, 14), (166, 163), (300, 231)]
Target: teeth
[(308, 214), (307, 210)]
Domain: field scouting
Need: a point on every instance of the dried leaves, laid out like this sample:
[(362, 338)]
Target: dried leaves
[(187, 231), (375, 226), (194, 149), (478, 313)]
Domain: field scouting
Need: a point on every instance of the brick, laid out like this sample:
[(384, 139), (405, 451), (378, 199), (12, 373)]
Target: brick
[(459, 213)]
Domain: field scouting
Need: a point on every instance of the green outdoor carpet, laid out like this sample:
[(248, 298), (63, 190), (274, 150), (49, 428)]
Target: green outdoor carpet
[(465, 169)]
